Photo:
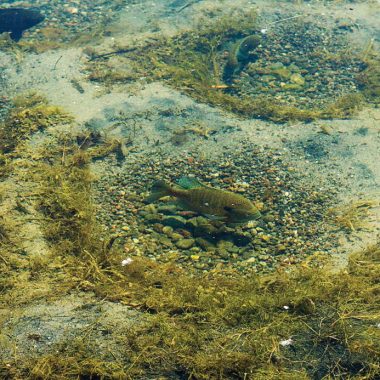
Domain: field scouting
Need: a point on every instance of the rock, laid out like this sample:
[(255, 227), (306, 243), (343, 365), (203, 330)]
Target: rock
[(165, 241), (167, 230), (205, 244), (174, 221), (297, 79), (153, 218), (203, 227), (223, 253), (185, 243), (167, 209), (176, 236)]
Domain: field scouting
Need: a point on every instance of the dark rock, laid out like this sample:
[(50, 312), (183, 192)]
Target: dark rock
[(174, 221), (185, 243)]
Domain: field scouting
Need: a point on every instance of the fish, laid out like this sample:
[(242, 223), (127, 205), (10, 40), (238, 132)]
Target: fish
[(16, 20), (239, 55), (214, 203)]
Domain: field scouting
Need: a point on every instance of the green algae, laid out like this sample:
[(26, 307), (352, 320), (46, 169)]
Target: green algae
[(31, 114), (369, 80)]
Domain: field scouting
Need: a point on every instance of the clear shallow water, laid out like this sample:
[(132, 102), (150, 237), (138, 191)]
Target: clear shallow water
[(83, 252)]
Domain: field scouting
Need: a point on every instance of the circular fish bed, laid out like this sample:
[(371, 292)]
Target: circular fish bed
[(299, 63), (293, 226)]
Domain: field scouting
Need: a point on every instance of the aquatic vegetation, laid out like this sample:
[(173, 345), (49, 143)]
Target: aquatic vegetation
[(110, 73), (31, 114), (353, 216), (219, 324), (369, 80), (66, 207)]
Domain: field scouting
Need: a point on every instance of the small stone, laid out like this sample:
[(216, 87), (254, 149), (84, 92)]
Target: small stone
[(251, 260), (174, 221), (167, 209), (266, 238), (252, 223), (223, 253), (152, 218), (268, 218), (195, 257), (167, 230), (326, 129), (205, 244), (165, 241), (125, 228), (176, 236), (185, 243), (297, 79)]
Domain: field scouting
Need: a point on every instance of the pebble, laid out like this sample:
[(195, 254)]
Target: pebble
[(185, 243)]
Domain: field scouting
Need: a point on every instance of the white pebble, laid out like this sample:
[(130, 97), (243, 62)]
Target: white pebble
[(126, 262), (287, 342)]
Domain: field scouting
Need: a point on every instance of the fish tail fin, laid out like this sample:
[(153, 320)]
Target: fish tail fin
[(159, 189)]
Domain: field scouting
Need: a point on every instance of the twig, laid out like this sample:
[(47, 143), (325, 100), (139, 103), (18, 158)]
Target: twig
[(55, 65), (187, 5), (111, 53)]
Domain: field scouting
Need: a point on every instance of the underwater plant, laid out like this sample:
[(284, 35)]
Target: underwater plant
[(31, 114)]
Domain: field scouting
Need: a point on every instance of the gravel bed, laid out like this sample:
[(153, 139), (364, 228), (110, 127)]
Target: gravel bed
[(301, 63), (293, 227)]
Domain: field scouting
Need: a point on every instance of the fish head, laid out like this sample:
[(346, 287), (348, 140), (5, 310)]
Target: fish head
[(242, 213)]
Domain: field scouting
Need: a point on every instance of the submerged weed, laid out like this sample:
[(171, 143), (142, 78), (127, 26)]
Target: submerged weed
[(31, 114)]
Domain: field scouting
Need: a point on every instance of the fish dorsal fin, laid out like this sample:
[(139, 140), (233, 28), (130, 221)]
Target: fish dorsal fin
[(189, 183)]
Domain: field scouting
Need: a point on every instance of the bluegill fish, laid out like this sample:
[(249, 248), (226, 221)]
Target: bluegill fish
[(239, 55), (215, 203), (16, 20)]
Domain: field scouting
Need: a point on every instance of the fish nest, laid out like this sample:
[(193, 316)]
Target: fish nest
[(304, 323), (295, 222), (286, 77)]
